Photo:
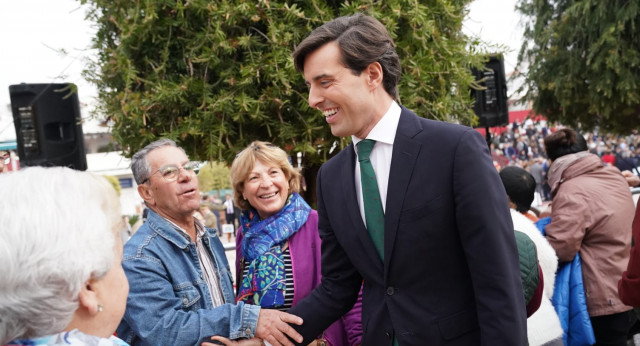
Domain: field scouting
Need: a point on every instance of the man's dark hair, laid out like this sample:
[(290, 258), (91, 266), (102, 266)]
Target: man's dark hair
[(362, 40), (520, 187), (563, 142)]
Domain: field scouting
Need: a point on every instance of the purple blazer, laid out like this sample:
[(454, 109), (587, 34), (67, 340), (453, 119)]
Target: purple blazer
[(304, 247)]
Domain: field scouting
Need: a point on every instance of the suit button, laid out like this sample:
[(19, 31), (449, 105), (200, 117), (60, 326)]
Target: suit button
[(388, 335), (390, 291)]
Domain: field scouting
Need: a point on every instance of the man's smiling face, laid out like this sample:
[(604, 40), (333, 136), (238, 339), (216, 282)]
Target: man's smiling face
[(346, 100)]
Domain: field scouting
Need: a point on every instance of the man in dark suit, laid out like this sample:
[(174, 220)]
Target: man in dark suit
[(445, 271)]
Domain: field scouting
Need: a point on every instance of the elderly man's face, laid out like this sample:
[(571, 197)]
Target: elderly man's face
[(176, 199)]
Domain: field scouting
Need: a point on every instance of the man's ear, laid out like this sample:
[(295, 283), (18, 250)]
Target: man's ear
[(88, 298), (375, 74), (146, 193)]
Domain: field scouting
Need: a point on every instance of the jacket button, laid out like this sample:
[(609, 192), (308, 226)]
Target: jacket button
[(185, 301), (248, 331), (390, 291), (388, 335)]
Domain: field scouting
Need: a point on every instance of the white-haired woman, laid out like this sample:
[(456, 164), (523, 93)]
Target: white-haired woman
[(62, 281)]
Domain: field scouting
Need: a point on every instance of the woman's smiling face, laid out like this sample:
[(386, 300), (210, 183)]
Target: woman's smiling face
[(266, 188)]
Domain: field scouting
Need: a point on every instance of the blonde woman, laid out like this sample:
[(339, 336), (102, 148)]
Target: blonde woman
[(278, 246)]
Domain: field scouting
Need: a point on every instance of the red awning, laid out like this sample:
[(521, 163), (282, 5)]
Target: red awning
[(521, 116)]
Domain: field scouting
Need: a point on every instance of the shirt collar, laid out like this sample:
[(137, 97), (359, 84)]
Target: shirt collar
[(198, 225), (385, 130)]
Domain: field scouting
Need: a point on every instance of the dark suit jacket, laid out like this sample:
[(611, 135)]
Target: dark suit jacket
[(450, 274)]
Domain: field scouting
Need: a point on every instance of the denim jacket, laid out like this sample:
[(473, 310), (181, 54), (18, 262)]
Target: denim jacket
[(169, 301)]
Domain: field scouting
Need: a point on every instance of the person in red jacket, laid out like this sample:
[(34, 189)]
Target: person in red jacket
[(629, 284), (608, 158)]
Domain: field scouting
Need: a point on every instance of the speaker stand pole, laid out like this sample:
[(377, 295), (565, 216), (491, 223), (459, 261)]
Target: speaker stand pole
[(488, 137)]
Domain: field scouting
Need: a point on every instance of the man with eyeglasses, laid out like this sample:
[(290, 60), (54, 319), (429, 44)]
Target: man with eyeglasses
[(181, 290)]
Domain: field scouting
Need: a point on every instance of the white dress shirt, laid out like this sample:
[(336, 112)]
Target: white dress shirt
[(229, 204), (384, 132)]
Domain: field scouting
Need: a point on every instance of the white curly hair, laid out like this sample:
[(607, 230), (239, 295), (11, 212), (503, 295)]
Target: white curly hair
[(58, 231)]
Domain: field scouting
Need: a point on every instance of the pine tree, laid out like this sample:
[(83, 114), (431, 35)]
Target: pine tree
[(216, 75), (583, 62)]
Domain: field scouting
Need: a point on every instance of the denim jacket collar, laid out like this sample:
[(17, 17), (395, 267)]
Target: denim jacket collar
[(167, 230)]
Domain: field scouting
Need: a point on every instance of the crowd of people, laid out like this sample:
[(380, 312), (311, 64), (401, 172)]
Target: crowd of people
[(521, 144), (399, 251)]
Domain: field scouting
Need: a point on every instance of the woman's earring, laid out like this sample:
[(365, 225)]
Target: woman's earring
[(100, 308)]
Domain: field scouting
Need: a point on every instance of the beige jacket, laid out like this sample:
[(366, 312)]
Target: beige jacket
[(592, 214)]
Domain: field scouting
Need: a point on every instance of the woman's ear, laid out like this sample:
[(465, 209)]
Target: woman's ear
[(88, 298)]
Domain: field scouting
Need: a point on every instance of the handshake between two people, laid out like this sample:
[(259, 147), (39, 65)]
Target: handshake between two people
[(273, 329)]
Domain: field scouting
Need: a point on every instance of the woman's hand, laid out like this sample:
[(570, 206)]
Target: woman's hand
[(240, 342)]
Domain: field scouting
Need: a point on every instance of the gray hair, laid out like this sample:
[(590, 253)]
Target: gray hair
[(59, 230), (139, 164)]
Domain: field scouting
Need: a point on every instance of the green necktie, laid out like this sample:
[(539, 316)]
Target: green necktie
[(373, 212)]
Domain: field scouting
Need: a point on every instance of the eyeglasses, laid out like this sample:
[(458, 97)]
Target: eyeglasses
[(171, 172)]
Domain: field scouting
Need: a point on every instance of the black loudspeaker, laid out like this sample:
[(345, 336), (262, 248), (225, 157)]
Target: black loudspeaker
[(491, 104), (48, 125)]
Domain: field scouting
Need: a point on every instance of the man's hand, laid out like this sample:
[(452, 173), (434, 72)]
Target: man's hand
[(273, 325), (227, 342), (632, 179)]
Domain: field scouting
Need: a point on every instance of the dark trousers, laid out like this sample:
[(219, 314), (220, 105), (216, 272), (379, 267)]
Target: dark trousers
[(230, 218), (611, 330)]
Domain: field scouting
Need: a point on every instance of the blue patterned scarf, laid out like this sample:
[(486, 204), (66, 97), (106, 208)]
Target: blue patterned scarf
[(265, 282)]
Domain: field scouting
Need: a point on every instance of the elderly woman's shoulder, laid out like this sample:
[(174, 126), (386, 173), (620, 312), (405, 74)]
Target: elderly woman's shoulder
[(313, 217)]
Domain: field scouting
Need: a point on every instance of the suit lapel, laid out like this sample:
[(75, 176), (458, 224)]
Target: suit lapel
[(403, 162), (347, 177)]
